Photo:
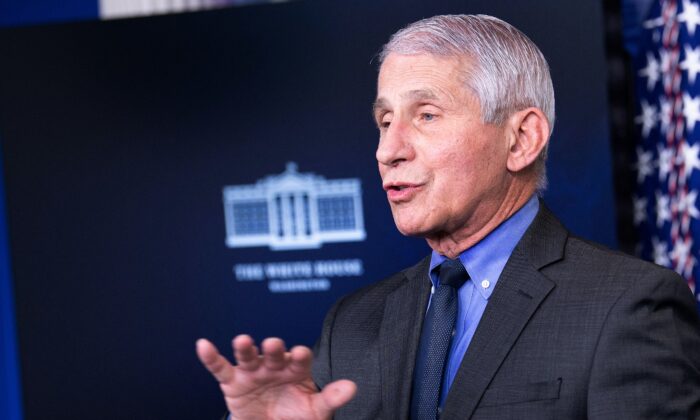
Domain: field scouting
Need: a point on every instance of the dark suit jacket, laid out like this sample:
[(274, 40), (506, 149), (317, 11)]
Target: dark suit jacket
[(571, 331)]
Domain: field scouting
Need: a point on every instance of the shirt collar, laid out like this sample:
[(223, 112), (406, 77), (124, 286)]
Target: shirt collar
[(485, 260)]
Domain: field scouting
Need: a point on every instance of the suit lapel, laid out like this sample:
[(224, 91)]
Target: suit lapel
[(399, 335), (519, 292)]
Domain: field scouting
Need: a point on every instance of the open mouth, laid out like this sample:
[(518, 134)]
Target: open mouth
[(399, 187), (401, 192)]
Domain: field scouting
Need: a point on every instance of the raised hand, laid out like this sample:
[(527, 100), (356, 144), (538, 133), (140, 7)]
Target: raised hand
[(276, 384)]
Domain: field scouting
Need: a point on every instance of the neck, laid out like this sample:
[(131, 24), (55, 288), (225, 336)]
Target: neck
[(453, 244)]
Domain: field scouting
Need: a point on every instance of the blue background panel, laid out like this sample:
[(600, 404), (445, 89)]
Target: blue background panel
[(10, 391), (22, 12)]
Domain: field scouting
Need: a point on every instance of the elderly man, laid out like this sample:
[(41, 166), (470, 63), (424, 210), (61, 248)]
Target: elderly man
[(511, 316)]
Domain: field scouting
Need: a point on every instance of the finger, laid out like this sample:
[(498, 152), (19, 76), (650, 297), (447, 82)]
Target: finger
[(274, 353), (246, 353), (215, 363), (335, 395), (300, 359)]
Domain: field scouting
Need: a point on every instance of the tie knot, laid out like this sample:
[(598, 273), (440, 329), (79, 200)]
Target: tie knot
[(452, 273)]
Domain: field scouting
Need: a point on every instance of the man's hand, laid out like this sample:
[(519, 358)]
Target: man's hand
[(274, 385)]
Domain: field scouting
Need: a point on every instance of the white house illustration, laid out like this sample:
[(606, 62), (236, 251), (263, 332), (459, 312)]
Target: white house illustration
[(293, 210)]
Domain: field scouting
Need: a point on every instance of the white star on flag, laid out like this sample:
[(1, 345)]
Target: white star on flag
[(686, 203), (665, 161), (660, 252), (640, 209), (663, 212), (691, 111), (691, 64), (665, 57), (647, 118), (644, 164), (654, 23), (665, 115), (690, 157), (680, 253), (690, 16), (652, 71)]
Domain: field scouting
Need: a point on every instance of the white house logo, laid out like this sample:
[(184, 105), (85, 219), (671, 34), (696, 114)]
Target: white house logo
[(293, 210)]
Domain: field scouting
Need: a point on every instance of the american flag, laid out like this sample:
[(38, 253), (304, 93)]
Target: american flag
[(667, 88)]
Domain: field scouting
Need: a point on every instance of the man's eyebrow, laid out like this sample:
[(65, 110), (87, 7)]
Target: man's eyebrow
[(420, 94), (378, 104), (415, 95)]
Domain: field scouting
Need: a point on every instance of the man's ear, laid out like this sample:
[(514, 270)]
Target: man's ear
[(528, 132)]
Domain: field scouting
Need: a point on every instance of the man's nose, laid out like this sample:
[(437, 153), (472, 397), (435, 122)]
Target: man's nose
[(395, 144)]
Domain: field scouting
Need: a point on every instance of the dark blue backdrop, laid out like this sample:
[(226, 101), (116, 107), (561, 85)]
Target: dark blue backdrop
[(24, 12), (119, 136), (10, 395)]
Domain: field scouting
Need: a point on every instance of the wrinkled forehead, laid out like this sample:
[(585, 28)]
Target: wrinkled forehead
[(458, 68), (422, 76)]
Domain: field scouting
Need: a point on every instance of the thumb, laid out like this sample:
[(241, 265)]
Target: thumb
[(336, 394)]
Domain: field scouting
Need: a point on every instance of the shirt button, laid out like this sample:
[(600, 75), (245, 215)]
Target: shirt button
[(485, 284)]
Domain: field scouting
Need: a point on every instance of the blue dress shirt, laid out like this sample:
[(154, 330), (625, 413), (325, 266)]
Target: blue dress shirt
[(484, 262)]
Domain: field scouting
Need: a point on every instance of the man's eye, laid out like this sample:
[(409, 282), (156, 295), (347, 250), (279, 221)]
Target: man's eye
[(428, 117)]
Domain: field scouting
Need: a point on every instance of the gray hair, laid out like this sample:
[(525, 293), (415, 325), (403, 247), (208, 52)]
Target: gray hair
[(509, 72)]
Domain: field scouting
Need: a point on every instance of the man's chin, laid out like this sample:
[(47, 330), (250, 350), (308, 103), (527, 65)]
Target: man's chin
[(411, 229)]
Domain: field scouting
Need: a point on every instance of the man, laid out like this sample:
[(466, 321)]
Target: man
[(510, 317)]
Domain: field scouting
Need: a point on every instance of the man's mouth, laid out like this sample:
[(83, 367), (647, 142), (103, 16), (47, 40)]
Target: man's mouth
[(398, 186), (400, 191)]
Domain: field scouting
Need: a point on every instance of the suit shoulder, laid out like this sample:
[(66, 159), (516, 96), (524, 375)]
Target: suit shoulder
[(597, 261), (580, 248)]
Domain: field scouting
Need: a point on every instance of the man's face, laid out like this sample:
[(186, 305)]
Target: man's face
[(444, 171)]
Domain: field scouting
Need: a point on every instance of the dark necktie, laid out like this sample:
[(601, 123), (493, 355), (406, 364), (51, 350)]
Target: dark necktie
[(435, 339)]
